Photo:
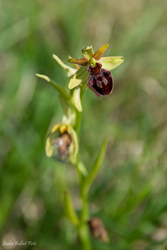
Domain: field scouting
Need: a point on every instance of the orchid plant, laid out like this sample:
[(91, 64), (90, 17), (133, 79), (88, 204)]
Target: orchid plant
[(92, 71)]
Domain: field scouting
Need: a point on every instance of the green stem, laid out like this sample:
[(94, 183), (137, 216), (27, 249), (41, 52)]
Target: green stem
[(83, 235), (83, 232), (85, 209)]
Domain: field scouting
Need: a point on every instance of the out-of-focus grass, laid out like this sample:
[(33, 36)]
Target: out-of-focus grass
[(130, 193)]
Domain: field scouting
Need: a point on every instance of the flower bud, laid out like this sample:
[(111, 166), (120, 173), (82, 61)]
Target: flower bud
[(61, 142), (97, 229)]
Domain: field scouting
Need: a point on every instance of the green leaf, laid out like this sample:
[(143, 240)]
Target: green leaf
[(69, 210), (111, 62), (70, 71), (96, 167), (62, 91), (82, 168)]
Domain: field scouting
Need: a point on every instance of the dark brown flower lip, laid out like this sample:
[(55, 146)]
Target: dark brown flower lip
[(100, 81), (95, 69)]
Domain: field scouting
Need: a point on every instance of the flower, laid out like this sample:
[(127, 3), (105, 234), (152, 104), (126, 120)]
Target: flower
[(100, 79), (92, 70), (62, 142)]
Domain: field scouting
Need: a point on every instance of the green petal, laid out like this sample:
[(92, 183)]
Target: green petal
[(70, 71), (88, 52), (111, 62), (98, 54), (81, 61)]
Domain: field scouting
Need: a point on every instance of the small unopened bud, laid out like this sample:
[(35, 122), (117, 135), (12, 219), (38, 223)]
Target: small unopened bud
[(98, 230)]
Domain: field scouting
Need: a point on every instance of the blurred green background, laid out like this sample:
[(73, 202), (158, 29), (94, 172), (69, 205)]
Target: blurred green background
[(130, 192)]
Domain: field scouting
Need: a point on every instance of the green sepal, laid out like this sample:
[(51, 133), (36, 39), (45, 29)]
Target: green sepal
[(69, 210), (111, 62), (62, 91), (98, 54), (70, 71), (88, 52), (95, 168)]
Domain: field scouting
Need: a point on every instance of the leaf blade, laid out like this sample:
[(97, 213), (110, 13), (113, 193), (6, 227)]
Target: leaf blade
[(62, 91), (69, 209), (96, 167)]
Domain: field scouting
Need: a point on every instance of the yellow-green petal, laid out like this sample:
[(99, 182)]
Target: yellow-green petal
[(48, 147), (56, 127), (98, 54), (111, 62)]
